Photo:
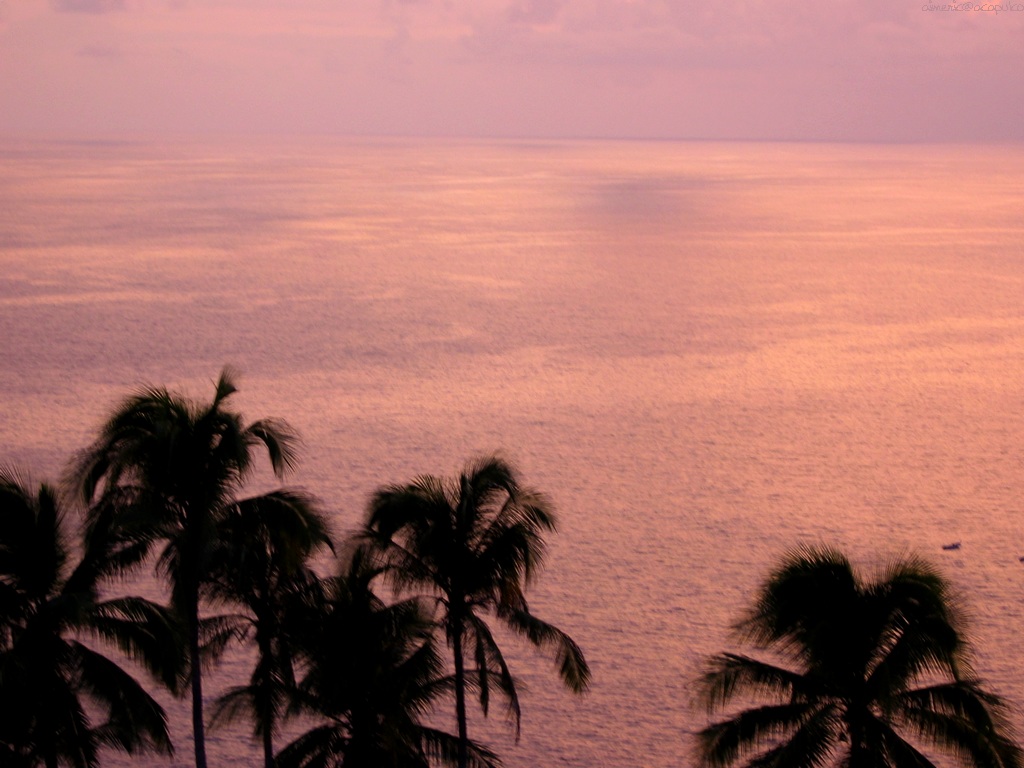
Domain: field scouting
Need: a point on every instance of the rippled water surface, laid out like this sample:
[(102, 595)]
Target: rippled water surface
[(703, 353)]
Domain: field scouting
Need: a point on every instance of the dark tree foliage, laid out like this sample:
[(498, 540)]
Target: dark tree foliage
[(854, 674), (261, 564), (61, 699), (373, 673), (167, 470), (474, 543)]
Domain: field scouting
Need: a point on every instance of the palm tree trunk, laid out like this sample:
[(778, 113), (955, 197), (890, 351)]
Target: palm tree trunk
[(198, 728), (859, 756), (264, 694), (268, 748), (460, 690)]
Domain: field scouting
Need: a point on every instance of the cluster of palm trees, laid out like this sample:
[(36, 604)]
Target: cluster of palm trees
[(851, 674), (358, 655)]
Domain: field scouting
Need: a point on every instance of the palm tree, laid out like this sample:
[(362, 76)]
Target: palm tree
[(863, 674), (60, 700), (475, 544), (262, 564), (166, 469), (372, 673)]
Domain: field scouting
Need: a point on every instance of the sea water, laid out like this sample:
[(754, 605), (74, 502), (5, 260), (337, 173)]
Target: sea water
[(705, 354)]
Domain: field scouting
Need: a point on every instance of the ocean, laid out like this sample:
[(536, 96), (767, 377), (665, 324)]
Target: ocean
[(705, 354)]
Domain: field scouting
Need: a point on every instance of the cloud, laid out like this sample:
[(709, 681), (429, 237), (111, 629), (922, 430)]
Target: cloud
[(746, 68), (87, 6)]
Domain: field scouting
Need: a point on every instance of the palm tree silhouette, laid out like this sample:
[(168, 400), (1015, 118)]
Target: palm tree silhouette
[(53, 687), (166, 469), (475, 544), (863, 675), (372, 672), (262, 563)]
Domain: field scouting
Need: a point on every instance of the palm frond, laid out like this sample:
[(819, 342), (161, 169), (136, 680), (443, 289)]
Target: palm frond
[(145, 631), (799, 735), (961, 737), (729, 675), (919, 627), (134, 721), (33, 550), (401, 567), (964, 719), (805, 607), (217, 632), (443, 748), (490, 663), (508, 560), (320, 747), (896, 750), (572, 666), (236, 703), (812, 745), (280, 442), (259, 702), (960, 698)]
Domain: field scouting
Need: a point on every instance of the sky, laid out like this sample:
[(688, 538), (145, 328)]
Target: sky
[(821, 70)]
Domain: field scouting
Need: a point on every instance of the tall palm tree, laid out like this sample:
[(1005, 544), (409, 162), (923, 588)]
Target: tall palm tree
[(262, 564), (475, 544), (166, 469), (861, 674), (61, 700), (373, 672)]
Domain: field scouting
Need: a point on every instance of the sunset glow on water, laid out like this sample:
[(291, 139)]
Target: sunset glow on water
[(704, 353)]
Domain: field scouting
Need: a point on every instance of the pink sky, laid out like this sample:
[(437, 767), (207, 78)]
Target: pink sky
[(750, 69)]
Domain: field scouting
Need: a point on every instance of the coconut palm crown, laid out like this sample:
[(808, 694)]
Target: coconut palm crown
[(262, 565), (372, 675), (474, 543), (62, 696), (165, 469), (854, 674)]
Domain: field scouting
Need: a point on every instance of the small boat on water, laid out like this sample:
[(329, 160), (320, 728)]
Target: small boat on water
[(954, 545)]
